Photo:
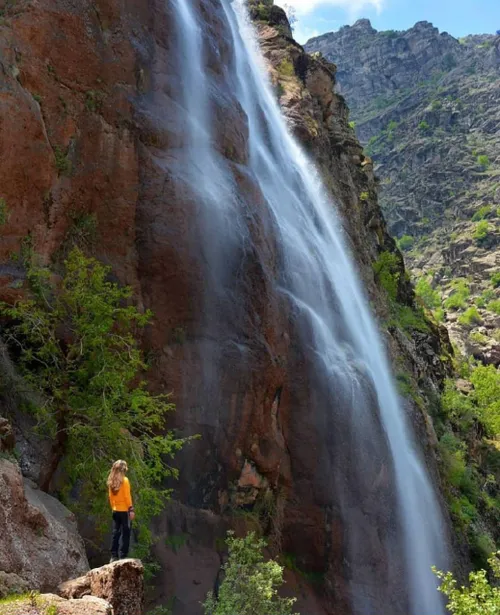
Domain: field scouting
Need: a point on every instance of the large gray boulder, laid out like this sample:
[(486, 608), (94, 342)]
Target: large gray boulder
[(39, 542)]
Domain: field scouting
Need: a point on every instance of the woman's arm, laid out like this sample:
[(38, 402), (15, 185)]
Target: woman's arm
[(128, 498)]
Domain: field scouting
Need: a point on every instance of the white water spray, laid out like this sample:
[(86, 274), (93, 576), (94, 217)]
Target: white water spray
[(342, 344)]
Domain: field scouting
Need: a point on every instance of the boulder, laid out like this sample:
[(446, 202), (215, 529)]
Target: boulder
[(120, 583), (39, 542)]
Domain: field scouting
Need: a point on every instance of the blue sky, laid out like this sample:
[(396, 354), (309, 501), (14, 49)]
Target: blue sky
[(458, 17)]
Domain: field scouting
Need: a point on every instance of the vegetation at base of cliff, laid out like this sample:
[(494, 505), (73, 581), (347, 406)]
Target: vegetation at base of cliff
[(479, 598), (467, 424), (250, 584), (76, 343)]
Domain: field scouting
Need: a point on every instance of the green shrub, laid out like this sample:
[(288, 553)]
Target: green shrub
[(479, 598), (463, 511), (478, 338), (250, 585), (452, 452), (494, 306), (459, 296), (439, 315), (481, 213), (387, 272), (406, 243), (481, 232), (495, 279), (483, 161), (424, 126), (63, 163), (286, 69), (486, 381), (429, 297), (470, 317), (364, 196), (484, 298), (94, 400)]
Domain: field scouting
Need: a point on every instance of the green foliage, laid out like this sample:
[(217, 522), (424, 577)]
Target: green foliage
[(352, 125), (478, 338), (479, 598), (4, 212), (452, 452), (481, 213), (494, 306), (63, 163), (481, 232), (459, 296), (82, 232), (470, 317), (406, 243), (484, 298), (483, 161), (424, 126), (486, 381), (250, 585), (495, 279), (387, 272), (77, 346), (429, 297), (364, 196), (94, 100), (286, 69)]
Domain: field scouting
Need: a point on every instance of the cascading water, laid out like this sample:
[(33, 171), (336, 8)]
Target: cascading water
[(338, 334)]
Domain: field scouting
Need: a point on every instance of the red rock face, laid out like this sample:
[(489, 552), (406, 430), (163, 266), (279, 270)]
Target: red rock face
[(91, 129)]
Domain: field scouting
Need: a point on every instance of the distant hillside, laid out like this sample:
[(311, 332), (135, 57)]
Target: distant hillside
[(427, 108)]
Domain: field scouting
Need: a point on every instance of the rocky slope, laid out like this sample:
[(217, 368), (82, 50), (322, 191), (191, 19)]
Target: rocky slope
[(427, 108), (89, 150), (39, 543)]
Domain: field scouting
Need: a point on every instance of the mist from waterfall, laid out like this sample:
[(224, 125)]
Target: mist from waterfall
[(339, 334)]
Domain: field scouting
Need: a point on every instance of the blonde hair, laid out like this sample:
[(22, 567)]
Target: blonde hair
[(116, 476)]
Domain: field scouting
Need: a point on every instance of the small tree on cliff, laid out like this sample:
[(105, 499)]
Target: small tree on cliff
[(250, 584), (480, 598), (76, 343)]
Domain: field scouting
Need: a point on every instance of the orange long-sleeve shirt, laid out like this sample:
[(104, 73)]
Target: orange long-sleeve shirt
[(121, 501)]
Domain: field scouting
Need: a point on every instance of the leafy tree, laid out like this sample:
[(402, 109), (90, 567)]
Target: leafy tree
[(76, 344), (250, 585), (480, 598), (481, 232), (430, 297)]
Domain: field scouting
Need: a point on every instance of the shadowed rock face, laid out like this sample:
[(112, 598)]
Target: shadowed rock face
[(39, 543), (92, 135)]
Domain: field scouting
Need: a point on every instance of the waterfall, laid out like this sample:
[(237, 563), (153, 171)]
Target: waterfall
[(338, 334)]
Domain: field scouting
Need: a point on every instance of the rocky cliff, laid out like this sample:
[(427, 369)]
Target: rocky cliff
[(426, 106), (90, 153)]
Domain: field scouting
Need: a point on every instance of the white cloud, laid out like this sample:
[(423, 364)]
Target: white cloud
[(353, 7), (302, 33)]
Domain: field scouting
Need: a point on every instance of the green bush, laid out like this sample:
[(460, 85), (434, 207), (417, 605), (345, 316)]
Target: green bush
[(452, 452), (406, 243), (429, 297), (484, 298), (286, 69), (387, 272), (478, 338), (250, 585), (439, 315), (459, 296), (481, 213), (495, 279), (479, 598), (494, 306), (424, 126), (77, 347), (486, 381), (470, 317), (63, 163), (484, 161), (481, 232)]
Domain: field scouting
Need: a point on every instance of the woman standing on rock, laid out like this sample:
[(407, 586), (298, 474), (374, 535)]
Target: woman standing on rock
[(120, 499)]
